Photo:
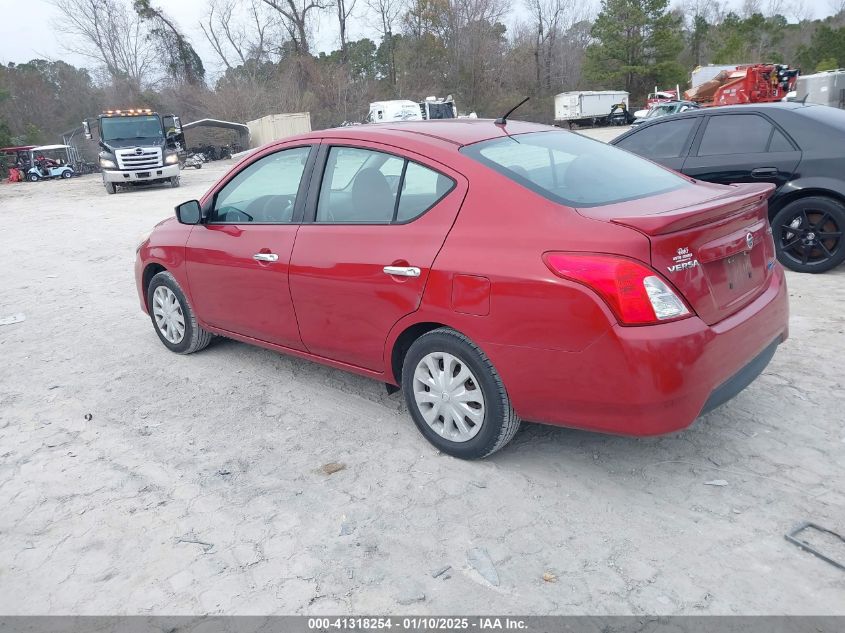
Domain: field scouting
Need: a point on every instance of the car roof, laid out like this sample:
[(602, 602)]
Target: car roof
[(746, 107), (454, 132)]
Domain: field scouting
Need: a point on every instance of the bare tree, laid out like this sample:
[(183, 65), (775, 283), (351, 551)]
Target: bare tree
[(549, 17), (777, 7), (295, 16), (240, 37), (388, 13), (111, 34), (750, 7), (344, 12)]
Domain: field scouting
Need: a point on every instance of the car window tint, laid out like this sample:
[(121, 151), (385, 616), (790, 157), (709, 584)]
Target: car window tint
[(361, 185), (572, 169), (780, 143), (264, 191), (735, 134), (421, 190), (663, 140)]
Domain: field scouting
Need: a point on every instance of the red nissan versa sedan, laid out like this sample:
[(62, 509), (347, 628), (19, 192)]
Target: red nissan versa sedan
[(497, 273)]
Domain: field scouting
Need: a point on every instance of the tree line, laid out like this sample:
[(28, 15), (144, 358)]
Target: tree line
[(476, 50)]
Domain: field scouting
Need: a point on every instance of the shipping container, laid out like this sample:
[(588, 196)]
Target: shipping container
[(278, 126)]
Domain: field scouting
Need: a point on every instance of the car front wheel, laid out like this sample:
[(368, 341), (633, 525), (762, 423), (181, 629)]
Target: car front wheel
[(808, 234), (456, 397), (172, 316)]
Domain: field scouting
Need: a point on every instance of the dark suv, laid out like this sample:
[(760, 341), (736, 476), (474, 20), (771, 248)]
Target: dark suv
[(799, 148)]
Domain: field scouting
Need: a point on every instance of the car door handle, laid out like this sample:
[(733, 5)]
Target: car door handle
[(266, 257), (402, 271), (761, 172)]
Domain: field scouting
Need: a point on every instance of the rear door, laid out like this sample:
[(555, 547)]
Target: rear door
[(742, 148), (666, 142), (378, 219)]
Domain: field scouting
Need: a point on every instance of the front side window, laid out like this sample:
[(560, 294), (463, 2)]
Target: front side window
[(573, 170), (264, 192), (371, 187), (662, 140), (735, 134)]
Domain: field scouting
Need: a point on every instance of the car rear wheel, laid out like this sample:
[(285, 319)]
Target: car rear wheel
[(173, 318), (809, 234), (67, 173), (456, 397), (33, 178)]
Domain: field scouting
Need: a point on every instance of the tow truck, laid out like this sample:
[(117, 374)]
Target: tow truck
[(139, 147)]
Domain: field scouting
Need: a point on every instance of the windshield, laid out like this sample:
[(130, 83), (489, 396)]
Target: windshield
[(660, 110), (130, 127), (573, 170)]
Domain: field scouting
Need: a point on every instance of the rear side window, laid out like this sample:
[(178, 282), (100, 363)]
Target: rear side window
[(573, 170), (421, 189), (662, 140), (779, 143), (371, 187), (735, 134)]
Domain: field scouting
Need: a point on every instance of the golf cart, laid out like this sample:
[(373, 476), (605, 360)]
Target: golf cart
[(42, 166)]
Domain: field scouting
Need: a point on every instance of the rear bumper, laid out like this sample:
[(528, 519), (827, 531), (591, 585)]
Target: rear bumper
[(154, 173), (740, 380), (647, 380)]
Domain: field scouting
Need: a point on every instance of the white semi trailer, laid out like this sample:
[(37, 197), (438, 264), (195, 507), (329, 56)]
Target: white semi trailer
[(588, 107), (824, 88)]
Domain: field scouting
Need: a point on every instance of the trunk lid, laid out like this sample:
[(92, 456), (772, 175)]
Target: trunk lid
[(711, 242)]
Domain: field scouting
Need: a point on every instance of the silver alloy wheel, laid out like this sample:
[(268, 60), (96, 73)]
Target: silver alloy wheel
[(448, 396), (168, 314)]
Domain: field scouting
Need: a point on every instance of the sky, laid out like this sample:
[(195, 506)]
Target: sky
[(26, 30)]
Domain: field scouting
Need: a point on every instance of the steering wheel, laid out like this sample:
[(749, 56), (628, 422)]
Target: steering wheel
[(232, 211)]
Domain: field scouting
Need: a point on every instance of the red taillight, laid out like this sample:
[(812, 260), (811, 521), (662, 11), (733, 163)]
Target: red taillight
[(636, 294)]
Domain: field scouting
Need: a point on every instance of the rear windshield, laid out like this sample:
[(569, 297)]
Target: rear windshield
[(574, 170), (827, 115)]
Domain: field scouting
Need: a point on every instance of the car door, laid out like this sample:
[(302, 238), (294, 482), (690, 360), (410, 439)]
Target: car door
[(742, 147), (237, 261), (378, 219), (666, 142)]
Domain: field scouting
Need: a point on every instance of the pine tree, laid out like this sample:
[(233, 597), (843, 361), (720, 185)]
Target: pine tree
[(637, 43)]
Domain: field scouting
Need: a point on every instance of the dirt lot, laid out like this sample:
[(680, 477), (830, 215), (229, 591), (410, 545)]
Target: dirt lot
[(195, 484)]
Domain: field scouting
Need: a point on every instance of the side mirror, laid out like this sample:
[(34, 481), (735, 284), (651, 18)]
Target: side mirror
[(189, 212)]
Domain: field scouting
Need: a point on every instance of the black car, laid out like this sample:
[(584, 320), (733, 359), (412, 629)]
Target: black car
[(799, 148)]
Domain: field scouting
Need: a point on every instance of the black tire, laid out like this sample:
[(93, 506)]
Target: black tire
[(174, 181), (67, 173), (198, 166), (500, 422), (33, 178), (808, 234), (110, 188), (195, 338)]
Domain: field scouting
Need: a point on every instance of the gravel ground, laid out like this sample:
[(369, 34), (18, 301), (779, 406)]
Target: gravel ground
[(135, 481)]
